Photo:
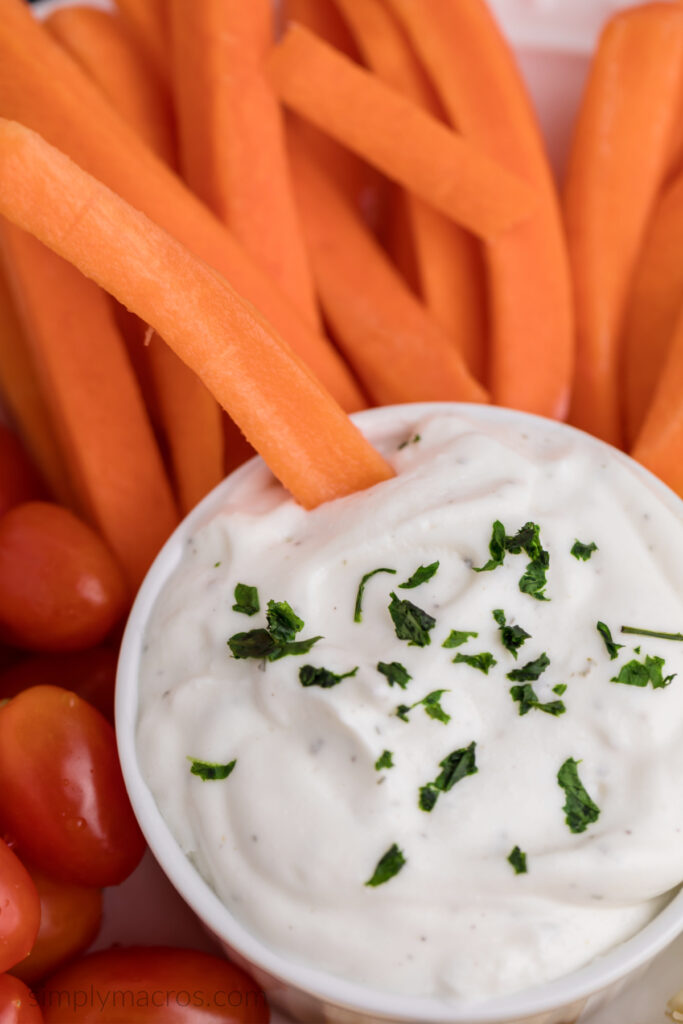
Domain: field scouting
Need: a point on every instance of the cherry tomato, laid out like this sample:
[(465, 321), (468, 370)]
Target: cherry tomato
[(18, 1005), (19, 481), (19, 909), (153, 986), (70, 918), (62, 796), (60, 588), (90, 674)]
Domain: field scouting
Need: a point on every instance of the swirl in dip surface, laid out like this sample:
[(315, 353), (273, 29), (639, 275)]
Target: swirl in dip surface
[(292, 835)]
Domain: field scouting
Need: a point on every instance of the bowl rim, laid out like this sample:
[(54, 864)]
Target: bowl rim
[(568, 989)]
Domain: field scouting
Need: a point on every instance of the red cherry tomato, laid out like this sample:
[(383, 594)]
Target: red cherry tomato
[(60, 588), (19, 909), (70, 918), (19, 481), (18, 1005), (90, 674), (62, 796), (153, 986)]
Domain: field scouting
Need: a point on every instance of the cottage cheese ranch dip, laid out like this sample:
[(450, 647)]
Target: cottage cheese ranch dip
[(404, 736)]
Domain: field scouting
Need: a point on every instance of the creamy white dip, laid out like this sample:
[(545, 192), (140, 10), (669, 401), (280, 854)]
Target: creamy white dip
[(289, 839)]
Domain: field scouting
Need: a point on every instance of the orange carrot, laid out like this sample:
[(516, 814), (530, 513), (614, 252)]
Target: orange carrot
[(303, 435), (322, 18), (109, 53), (395, 135), (232, 135), (449, 260), (398, 352), (618, 162), (147, 19), (660, 441), (97, 409), (40, 86), (653, 306), (25, 401), (474, 73)]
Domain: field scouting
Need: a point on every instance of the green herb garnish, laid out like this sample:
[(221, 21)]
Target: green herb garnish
[(358, 611), (483, 661), (496, 548), (246, 599), (560, 689), (531, 671), (606, 634), (311, 676), (511, 637), (526, 695), (396, 674), (413, 440), (387, 866), (518, 861), (637, 673), (431, 704), (283, 622), (583, 551), (411, 623), (456, 637), (579, 809), (209, 771), (421, 575), (256, 643), (651, 632), (459, 764), (534, 580), (385, 760)]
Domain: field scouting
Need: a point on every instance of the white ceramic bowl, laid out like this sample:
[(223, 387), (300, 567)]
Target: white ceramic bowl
[(310, 995)]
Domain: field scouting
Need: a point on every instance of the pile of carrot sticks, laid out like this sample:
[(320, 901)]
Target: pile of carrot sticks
[(219, 234)]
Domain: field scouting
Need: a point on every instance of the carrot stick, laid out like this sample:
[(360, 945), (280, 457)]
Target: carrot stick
[(112, 57), (660, 441), (147, 19), (618, 161), (449, 260), (25, 401), (395, 136), (232, 135), (40, 86), (474, 73), (97, 409), (398, 352), (653, 306), (282, 409)]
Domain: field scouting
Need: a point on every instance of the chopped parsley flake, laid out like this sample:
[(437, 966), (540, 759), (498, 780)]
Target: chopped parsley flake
[(396, 674), (583, 551), (387, 866), (256, 643), (534, 580), (527, 539), (414, 439), (637, 673), (421, 575), (531, 671), (651, 632), (483, 661), (456, 637), (432, 705), (311, 676), (411, 623), (579, 809), (511, 637), (518, 861), (246, 599), (496, 548), (209, 771), (560, 689), (606, 634), (458, 765), (358, 611), (283, 622), (385, 760), (528, 700)]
